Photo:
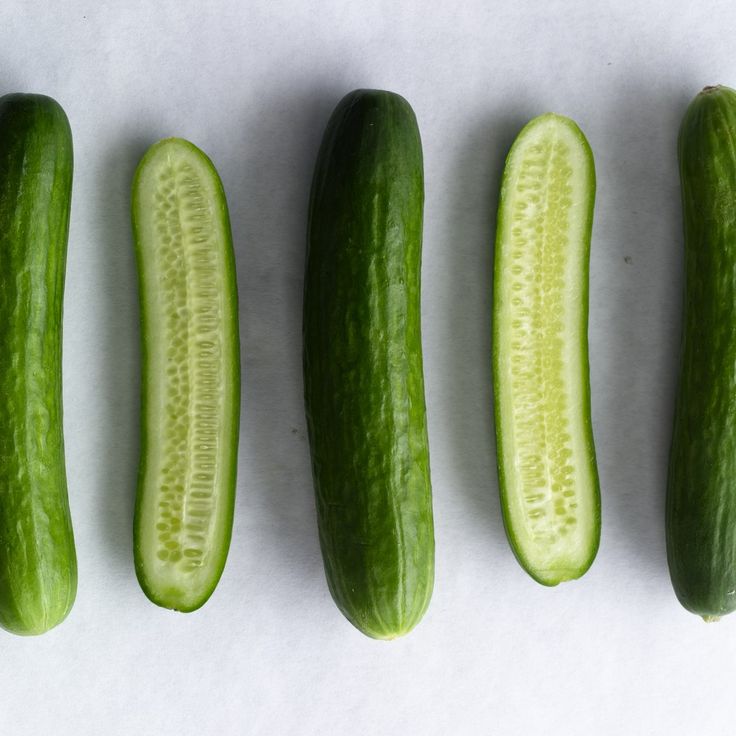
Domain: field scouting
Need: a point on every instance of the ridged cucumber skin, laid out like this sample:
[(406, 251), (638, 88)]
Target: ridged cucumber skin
[(364, 384), (38, 566), (701, 491), (546, 577), (179, 598)]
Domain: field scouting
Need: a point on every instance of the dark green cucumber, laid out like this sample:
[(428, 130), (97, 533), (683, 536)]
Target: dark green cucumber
[(701, 493), (191, 375), (38, 566), (364, 385), (546, 456)]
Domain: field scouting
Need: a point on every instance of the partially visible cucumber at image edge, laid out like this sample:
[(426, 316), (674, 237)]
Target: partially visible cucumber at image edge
[(38, 566), (701, 492), (364, 384), (191, 375), (546, 457)]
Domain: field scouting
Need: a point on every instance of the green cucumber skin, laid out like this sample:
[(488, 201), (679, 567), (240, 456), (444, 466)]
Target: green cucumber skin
[(498, 357), (38, 568), (701, 492), (364, 385), (172, 599)]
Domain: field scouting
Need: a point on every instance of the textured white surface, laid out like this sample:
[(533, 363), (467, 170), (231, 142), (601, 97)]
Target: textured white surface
[(253, 83)]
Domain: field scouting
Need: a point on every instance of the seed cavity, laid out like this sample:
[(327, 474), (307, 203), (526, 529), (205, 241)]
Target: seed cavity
[(190, 298), (539, 244)]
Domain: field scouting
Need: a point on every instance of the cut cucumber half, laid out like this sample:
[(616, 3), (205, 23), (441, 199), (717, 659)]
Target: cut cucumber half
[(546, 458), (191, 375)]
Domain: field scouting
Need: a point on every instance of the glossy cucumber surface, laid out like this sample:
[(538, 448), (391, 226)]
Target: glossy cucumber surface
[(38, 568), (701, 492), (364, 384)]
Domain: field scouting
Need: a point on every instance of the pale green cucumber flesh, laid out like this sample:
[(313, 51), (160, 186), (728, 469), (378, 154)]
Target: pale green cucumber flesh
[(546, 456), (191, 378)]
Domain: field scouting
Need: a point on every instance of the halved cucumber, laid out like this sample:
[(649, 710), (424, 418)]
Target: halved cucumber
[(546, 457), (191, 375)]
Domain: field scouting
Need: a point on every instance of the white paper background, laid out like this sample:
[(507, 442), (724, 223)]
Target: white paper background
[(253, 84)]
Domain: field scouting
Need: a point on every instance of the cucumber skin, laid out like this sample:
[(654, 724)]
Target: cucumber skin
[(364, 385), (701, 492), (497, 358), (38, 568), (169, 599)]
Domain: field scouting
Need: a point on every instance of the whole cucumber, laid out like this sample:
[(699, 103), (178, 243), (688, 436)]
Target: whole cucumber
[(364, 384), (38, 569), (701, 494)]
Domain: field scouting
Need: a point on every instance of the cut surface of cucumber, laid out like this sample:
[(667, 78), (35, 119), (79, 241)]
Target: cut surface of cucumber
[(546, 457), (191, 375)]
